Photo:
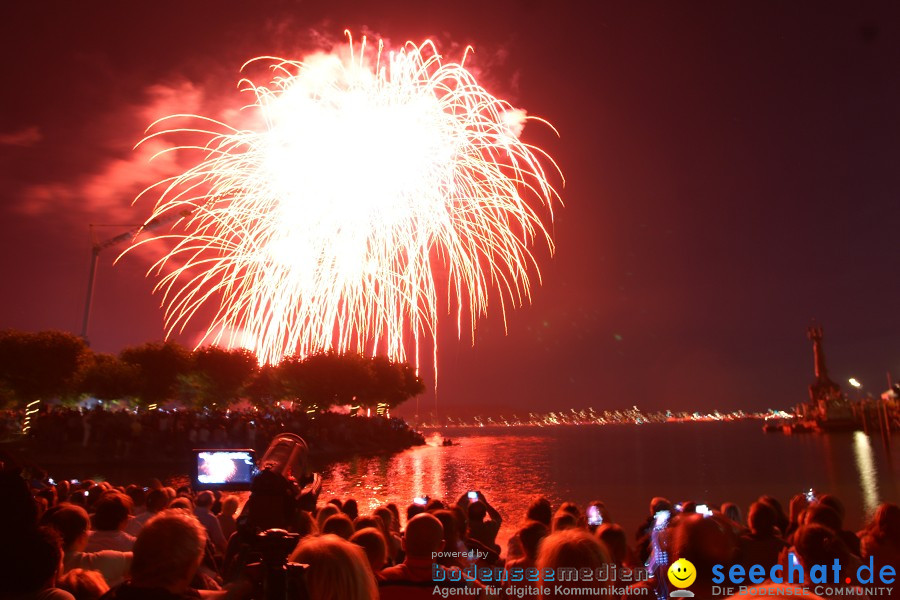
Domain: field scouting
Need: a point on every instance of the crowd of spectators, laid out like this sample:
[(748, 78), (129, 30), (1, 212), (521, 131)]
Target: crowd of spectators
[(171, 433), (93, 540)]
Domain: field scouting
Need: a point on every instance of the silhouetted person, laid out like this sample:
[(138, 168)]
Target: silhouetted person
[(571, 549), (881, 538), (203, 512), (371, 540), (226, 516), (111, 513), (656, 504), (338, 570), (339, 525), (452, 543), (563, 520), (613, 537), (31, 571), (412, 510), (530, 536), (816, 544), (157, 500), (850, 538), (705, 542), (782, 521), (424, 536), (324, 513), (540, 510), (762, 545), (484, 531), (83, 584), (350, 508), (732, 512), (167, 554), (366, 522), (73, 525)]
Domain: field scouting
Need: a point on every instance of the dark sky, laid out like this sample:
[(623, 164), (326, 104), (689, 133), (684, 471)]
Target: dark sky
[(733, 171)]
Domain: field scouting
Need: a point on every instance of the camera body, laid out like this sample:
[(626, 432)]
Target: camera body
[(274, 576), (281, 487)]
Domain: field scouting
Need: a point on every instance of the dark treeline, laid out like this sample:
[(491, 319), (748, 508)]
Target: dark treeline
[(50, 365)]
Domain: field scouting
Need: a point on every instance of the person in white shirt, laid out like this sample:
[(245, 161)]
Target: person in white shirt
[(111, 512), (72, 523)]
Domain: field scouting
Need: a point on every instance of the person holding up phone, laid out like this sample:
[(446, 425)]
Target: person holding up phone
[(481, 530)]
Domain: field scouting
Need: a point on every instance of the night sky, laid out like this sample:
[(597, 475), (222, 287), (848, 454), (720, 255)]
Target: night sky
[(733, 171)]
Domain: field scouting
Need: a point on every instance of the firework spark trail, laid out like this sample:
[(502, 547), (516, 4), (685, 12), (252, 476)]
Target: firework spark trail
[(367, 186)]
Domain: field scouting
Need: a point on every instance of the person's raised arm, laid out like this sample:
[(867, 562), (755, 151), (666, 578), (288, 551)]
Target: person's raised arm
[(491, 511)]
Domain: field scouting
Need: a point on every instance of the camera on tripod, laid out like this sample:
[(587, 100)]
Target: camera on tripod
[(278, 579), (282, 486)]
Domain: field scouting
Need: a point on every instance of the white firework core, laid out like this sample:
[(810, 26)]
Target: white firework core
[(374, 183)]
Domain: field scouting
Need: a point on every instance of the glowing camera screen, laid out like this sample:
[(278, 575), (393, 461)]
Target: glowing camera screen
[(220, 468)]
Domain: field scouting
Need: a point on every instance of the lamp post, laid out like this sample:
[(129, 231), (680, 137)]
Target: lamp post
[(98, 247)]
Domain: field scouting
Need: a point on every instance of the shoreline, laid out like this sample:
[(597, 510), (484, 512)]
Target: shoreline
[(90, 460)]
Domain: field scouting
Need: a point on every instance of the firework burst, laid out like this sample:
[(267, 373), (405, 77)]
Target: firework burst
[(373, 183)]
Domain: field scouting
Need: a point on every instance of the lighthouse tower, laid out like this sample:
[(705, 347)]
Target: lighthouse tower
[(827, 404), (822, 389)]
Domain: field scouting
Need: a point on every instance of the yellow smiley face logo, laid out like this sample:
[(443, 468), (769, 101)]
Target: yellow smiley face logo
[(682, 573)]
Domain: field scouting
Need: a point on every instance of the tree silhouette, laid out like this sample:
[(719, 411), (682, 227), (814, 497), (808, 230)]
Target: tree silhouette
[(107, 377), (159, 365), (53, 364), (328, 379), (266, 387), (220, 376), (40, 366)]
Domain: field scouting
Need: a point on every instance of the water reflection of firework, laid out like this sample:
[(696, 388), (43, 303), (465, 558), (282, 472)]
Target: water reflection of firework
[(375, 183)]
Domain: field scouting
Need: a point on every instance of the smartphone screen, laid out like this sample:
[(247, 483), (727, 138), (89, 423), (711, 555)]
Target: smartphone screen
[(662, 519)]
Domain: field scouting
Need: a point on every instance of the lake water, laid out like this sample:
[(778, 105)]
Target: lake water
[(625, 466)]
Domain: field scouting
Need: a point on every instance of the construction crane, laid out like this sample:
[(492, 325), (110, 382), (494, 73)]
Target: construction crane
[(98, 247)]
